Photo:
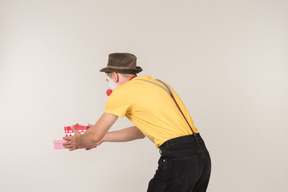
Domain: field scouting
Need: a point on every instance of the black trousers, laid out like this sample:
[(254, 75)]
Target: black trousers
[(184, 166)]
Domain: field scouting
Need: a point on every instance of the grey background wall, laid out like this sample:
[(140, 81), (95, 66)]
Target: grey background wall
[(226, 59)]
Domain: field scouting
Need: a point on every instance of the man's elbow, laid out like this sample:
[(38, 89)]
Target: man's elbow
[(95, 138), (142, 136)]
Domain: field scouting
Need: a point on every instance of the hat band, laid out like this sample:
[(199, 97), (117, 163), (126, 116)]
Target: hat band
[(116, 67)]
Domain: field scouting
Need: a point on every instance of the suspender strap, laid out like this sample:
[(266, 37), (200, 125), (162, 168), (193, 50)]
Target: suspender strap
[(177, 105), (168, 90)]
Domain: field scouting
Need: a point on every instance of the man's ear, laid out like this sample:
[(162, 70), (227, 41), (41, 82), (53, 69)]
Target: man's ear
[(115, 76)]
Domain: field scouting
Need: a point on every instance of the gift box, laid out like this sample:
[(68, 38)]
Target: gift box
[(58, 144), (80, 128)]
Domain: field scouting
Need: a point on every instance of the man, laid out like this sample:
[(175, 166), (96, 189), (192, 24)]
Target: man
[(159, 114)]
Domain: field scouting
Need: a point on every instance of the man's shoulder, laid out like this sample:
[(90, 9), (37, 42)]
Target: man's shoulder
[(133, 85), (144, 77)]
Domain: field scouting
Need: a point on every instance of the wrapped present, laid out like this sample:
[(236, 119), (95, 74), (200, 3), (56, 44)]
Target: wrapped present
[(58, 144), (80, 128)]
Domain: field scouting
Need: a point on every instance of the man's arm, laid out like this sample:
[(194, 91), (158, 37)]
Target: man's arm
[(127, 134), (93, 135)]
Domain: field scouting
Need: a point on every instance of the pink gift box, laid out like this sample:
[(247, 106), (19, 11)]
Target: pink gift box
[(58, 144)]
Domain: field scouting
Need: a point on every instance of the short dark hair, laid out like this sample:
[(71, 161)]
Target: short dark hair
[(124, 74)]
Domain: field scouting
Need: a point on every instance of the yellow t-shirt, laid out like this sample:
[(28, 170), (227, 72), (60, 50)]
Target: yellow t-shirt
[(151, 109)]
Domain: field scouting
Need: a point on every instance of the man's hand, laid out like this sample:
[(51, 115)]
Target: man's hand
[(74, 142)]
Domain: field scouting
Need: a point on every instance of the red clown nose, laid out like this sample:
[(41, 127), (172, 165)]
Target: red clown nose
[(108, 92)]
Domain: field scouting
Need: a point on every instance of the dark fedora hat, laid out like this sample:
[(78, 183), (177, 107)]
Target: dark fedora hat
[(122, 63)]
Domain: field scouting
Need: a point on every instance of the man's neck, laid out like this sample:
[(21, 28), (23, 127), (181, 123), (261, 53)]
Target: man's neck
[(124, 80)]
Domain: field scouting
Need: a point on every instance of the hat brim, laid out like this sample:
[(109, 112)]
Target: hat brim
[(125, 71)]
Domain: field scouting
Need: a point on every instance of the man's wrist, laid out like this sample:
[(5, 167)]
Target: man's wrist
[(80, 141)]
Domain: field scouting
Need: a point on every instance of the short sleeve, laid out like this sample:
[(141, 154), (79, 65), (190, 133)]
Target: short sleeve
[(116, 104)]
